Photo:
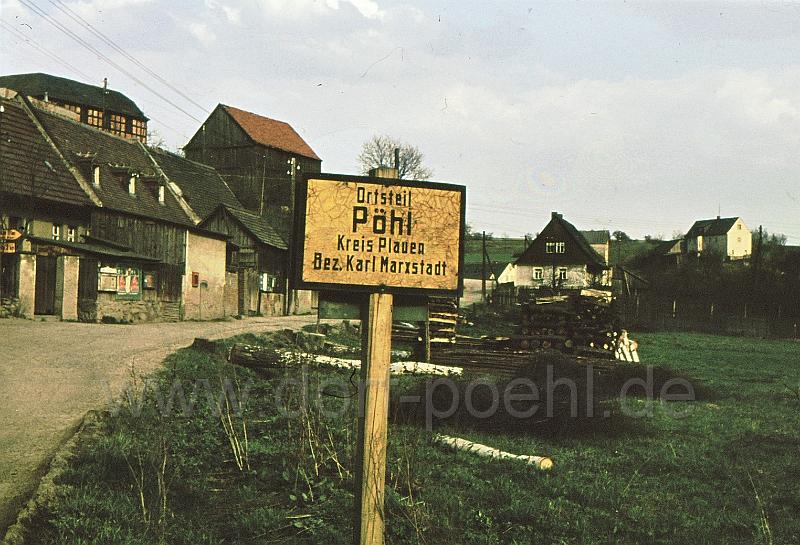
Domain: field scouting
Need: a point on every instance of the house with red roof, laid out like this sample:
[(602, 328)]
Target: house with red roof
[(260, 158)]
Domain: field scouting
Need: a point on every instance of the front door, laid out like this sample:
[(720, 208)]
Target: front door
[(45, 285)]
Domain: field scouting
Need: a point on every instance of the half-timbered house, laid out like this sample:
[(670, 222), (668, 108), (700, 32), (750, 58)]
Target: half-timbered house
[(93, 105)]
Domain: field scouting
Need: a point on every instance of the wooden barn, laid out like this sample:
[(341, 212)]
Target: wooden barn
[(260, 259), (260, 159)]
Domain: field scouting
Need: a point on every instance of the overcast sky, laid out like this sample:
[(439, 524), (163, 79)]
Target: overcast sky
[(639, 117)]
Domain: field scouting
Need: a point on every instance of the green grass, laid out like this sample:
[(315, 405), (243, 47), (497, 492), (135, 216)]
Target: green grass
[(501, 252), (726, 473)]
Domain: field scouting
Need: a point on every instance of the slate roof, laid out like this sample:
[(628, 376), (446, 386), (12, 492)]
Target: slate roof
[(29, 166), (259, 227), (710, 228), (530, 255), (201, 185), (37, 84), (270, 132), (118, 158)]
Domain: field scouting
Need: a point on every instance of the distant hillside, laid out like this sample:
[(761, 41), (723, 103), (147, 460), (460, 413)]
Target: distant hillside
[(626, 252), (501, 252)]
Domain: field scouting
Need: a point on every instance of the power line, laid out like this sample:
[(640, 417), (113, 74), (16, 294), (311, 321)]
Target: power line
[(81, 21), (9, 28), (38, 11)]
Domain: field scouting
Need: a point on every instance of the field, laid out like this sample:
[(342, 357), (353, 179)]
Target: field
[(726, 472), (501, 252)]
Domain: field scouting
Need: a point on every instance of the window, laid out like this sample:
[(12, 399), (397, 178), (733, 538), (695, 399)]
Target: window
[(562, 273), (96, 175), (70, 234), (538, 273), (117, 124), (132, 185), (554, 247), (56, 232), (739, 226), (94, 117), (139, 129), (161, 194)]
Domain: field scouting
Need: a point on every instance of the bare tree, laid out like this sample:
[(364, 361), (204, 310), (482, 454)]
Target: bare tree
[(378, 151)]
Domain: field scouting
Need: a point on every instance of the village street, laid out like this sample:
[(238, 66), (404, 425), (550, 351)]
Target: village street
[(52, 373)]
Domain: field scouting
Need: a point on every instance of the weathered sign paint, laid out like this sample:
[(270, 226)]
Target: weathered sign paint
[(368, 233)]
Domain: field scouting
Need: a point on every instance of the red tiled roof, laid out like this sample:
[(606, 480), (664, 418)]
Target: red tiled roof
[(270, 132)]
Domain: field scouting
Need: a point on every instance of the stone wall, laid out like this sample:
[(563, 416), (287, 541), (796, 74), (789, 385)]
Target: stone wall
[(27, 284), (109, 309), (66, 302)]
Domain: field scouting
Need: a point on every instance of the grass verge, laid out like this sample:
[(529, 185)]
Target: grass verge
[(725, 472)]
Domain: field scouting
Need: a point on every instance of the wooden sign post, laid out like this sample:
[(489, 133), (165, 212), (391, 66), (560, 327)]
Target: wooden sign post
[(381, 237)]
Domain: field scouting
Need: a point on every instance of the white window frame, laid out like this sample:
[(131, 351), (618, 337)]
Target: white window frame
[(56, 232), (71, 231), (538, 273), (562, 273)]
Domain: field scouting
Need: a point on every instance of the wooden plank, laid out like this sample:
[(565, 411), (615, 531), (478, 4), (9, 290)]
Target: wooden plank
[(373, 422)]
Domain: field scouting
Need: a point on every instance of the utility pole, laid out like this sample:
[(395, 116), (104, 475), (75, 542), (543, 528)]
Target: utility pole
[(483, 267)]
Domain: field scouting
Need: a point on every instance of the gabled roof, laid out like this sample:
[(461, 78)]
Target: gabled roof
[(85, 146), (202, 186), (29, 166), (270, 132), (256, 225), (67, 90), (532, 254), (710, 228)]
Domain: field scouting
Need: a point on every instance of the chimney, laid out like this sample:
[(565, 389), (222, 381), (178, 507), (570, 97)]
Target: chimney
[(397, 159), (556, 215), (105, 83)]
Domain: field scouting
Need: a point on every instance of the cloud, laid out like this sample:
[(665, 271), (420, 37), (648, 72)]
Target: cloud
[(202, 32)]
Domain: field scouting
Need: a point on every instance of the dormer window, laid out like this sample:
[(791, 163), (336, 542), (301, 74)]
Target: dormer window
[(132, 185), (96, 175)]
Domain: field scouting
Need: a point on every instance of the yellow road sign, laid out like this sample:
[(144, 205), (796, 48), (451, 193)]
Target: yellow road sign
[(10, 234), (379, 234)]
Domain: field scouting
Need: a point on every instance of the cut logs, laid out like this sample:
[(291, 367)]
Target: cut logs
[(457, 443), (583, 323), (259, 357)]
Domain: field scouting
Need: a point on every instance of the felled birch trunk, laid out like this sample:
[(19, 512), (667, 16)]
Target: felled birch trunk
[(456, 443)]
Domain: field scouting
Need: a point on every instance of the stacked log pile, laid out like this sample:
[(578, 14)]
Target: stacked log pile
[(584, 324), (496, 358), (442, 319)]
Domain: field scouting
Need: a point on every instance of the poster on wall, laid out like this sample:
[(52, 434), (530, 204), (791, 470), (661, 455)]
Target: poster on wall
[(107, 279), (129, 283)]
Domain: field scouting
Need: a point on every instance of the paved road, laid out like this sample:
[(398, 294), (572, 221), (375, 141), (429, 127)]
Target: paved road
[(52, 373)]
